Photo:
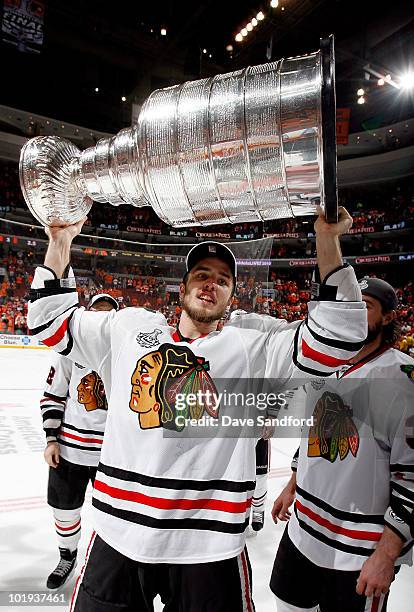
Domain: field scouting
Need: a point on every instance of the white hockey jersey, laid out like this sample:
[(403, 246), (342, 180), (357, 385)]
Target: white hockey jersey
[(159, 496), (356, 462), (74, 410)]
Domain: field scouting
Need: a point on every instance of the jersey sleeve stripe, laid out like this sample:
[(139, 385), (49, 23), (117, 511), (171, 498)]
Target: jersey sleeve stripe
[(66, 434), (311, 353), (334, 343), (58, 335)]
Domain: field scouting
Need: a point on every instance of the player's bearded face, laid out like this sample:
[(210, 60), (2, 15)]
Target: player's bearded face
[(375, 318), (208, 291)]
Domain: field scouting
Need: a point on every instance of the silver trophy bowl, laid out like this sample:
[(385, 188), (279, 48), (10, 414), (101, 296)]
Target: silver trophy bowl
[(251, 145)]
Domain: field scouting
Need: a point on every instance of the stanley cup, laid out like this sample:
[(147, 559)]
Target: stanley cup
[(251, 145)]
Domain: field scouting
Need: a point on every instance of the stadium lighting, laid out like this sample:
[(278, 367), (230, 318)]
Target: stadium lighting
[(163, 32), (238, 37), (360, 92), (407, 80), (244, 32), (254, 22), (381, 82), (260, 16), (249, 27), (361, 100), (274, 3)]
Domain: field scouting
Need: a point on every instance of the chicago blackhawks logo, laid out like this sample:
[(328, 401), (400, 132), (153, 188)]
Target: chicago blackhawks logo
[(159, 377), (409, 370), (334, 432), (91, 392)]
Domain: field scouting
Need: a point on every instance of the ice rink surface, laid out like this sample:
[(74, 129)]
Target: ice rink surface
[(28, 548)]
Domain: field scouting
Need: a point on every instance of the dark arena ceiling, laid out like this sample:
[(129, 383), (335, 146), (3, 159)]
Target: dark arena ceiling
[(117, 48)]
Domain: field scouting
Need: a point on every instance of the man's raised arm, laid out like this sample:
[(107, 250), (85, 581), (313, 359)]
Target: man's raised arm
[(54, 315), (335, 328)]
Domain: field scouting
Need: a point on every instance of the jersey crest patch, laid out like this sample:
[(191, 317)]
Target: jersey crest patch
[(333, 432), (409, 370), (91, 392), (160, 377), (148, 339)]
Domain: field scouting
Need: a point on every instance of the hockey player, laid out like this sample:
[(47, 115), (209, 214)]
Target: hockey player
[(353, 519), (74, 413), (171, 511)]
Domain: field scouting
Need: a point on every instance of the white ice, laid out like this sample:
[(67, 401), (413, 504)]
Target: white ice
[(28, 549)]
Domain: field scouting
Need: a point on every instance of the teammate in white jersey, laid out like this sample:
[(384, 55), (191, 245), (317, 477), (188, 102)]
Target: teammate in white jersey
[(73, 410), (353, 519), (171, 509)]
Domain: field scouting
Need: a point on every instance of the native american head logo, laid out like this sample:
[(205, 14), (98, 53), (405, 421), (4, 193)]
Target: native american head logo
[(333, 432), (160, 376), (91, 392)]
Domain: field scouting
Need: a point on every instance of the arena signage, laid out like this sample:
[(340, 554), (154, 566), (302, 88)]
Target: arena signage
[(285, 235), (19, 341), (211, 235), (362, 230), (254, 262), (144, 230), (371, 259)]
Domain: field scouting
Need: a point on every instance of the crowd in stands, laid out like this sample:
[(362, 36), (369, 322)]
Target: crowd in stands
[(285, 295), (376, 206)]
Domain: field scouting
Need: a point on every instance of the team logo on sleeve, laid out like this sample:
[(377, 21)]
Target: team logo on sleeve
[(409, 370), (333, 432), (91, 392), (160, 378), (149, 339)]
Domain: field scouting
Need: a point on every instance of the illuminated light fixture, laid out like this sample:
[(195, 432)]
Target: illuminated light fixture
[(229, 48), (390, 131), (260, 16), (360, 92), (123, 99), (210, 56), (361, 100), (96, 89), (238, 37), (274, 3), (283, 8), (381, 82), (244, 32), (249, 27), (407, 80), (254, 22), (204, 50), (387, 78), (163, 32)]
